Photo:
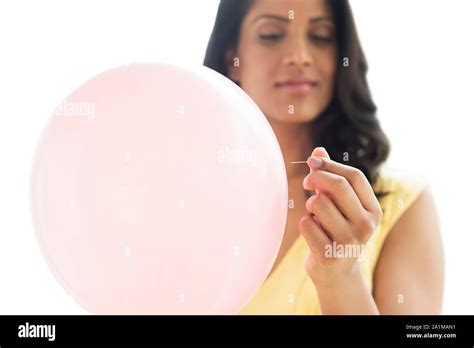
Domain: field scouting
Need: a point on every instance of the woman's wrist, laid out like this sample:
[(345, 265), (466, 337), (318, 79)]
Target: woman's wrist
[(336, 278), (345, 293)]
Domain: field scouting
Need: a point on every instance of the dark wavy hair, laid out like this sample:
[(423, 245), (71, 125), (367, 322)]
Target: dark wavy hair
[(348, 128)]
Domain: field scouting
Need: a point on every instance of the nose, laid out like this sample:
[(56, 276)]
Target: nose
[(298, 54)]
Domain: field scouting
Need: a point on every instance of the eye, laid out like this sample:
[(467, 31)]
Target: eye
[(270, 37), (321, 39)]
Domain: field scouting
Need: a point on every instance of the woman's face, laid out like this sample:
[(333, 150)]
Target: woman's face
[(287, 58)]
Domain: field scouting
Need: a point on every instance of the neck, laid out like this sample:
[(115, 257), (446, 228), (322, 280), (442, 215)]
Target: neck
[(297, 142)]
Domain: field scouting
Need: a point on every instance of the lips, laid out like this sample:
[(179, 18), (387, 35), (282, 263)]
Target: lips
[(296, 86), (296, 82)]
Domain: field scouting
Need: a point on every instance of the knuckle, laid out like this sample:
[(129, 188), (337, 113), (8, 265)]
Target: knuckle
[(357, 175), (340, 183), (305, 223), (315, 202), (324, 163), (366, 225)]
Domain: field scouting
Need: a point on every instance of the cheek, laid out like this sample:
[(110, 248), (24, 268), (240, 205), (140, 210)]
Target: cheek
[(257, 74), (329, 77), (328, 68)]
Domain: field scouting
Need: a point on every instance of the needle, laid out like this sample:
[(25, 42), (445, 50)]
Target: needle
[(298, 162)]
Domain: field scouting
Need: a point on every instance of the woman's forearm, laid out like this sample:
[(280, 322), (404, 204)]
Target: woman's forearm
[(348, 295)]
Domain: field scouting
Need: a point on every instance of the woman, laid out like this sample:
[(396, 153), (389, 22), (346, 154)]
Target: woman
[(302, 63)]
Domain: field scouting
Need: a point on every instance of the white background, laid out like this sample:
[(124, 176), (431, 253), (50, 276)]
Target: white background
[(421, 71)]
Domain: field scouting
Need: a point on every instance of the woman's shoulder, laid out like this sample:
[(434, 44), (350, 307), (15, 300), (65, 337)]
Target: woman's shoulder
[(399, 183), (398, 189)]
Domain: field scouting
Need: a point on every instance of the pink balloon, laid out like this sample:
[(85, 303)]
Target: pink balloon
[(159, 189)]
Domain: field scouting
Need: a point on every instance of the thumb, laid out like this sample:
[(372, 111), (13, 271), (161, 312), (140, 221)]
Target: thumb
[(317, 152), (320, 152)]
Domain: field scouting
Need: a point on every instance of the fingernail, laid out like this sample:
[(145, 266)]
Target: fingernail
[(314, 162)]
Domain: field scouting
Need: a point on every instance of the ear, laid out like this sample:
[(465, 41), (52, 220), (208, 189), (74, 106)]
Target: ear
[(233, 65)]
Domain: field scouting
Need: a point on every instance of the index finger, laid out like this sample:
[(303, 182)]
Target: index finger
[(356, 178)]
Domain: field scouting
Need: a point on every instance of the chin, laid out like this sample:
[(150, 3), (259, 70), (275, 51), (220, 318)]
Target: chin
[(305, 116), (295, 118)]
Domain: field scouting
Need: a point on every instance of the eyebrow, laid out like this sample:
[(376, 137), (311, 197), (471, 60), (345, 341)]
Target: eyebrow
[(286, 19)]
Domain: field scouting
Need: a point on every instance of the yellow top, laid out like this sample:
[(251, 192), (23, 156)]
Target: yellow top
[(289, 290)]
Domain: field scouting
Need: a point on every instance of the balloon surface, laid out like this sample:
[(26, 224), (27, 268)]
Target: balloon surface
[(159, 189)]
